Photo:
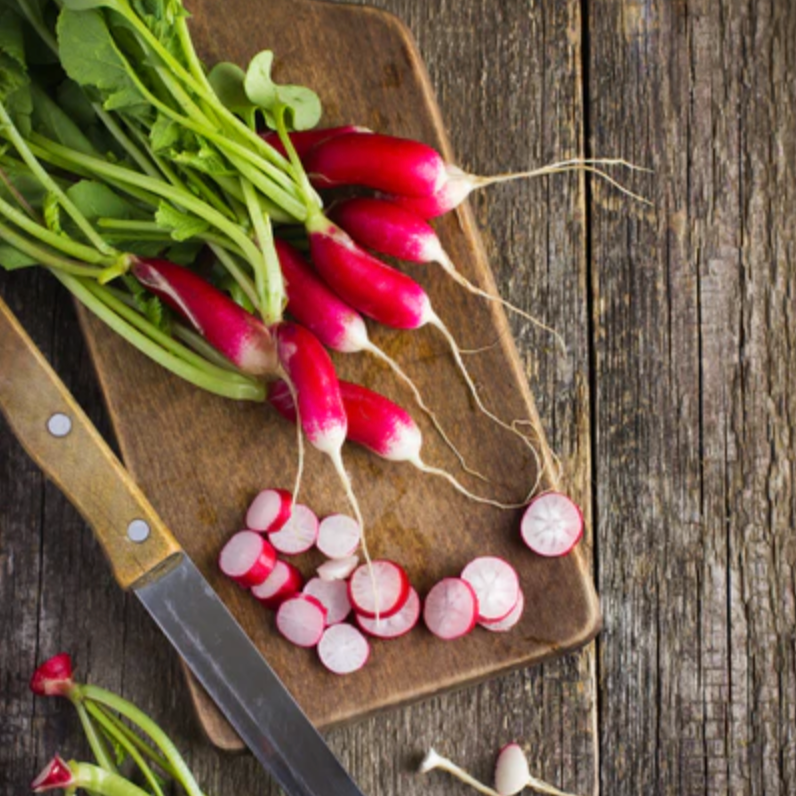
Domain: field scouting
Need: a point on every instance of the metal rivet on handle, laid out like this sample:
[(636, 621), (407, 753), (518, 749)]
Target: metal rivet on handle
[(59, 424), (138, 531)]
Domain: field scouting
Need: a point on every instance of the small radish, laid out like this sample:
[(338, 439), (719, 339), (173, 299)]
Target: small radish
[(298, 534), (380, 590), (247, 558), (269, 511), (301, 619), (396, 625), (56, 775), (551, 525), (508, 622), (283, 582), (511, 770), (237, 334), (304, 140), (53, 677), (450, 610), (338, 536), (333, 595), (343, 649), (496, 586), (338, 569)]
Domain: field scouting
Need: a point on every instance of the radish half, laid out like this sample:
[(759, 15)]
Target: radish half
[(298, 534), (301, 619), (451, 609), (338, 568), (552, 524), (338, 536), (247, 558), (269, 511), (343, 649), (283, 582), (396, 625), (333, 595), (509, 621), (496, 586), (391, 589)]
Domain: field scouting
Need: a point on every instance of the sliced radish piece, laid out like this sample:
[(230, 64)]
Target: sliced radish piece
[(343, 649), (269, 511), (496, 586), (511, 770), (451, 609), (247, 558), (283, 582), (298, 534), (508, 622), (391, 584), (552, 524), (395, 625), (338, 568), (333, 595), (338, 536), (301, 619)]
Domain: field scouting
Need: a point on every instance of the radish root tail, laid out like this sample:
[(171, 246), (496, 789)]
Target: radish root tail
[(299, 438), (427, 468)]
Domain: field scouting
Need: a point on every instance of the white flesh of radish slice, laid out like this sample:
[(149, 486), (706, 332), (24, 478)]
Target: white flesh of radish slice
[(451, 609), (496, 585), (338, 536), (395, 625), (508, 622), (301, 619), (283, 582), (298, 534), (338, 568), (343, 649), (333, 595), (391, 584), (247, 558), (552, 524), (511, 770), (269, 511)]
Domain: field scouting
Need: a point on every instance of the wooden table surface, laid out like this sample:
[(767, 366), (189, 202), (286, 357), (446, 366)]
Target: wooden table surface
[(673, 411)]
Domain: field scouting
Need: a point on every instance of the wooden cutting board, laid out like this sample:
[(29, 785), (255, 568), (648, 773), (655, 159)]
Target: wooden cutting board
[(201, 459)]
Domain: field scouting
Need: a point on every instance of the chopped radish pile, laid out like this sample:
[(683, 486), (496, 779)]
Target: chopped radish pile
[(343, 649), (496, 586), (391, 589), (333, 595), (552, 524), (301, 619), (338, 568), (338, 536), (509, 621), (298, 534), (395, 625), (511, 770), (269, 511), (283, 582), (247, 558), (451, 609)]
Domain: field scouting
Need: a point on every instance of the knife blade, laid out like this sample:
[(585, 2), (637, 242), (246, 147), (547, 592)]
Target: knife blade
[(146, 558)]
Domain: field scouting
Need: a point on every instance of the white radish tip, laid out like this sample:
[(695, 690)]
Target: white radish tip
[(511, 770)]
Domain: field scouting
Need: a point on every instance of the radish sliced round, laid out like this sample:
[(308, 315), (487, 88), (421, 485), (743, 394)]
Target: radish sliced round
[(451, 609), (298, 534), (338, 536), (508, 622), (552, 524), (301, 619), (392, 589), (247, 558), (333, 595), (283, 582), (338, 568), (395, 625), (343, 649), (269, 511), (512, 774), (496, 586)]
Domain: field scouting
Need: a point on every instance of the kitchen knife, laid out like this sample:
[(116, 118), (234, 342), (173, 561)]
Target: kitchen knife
[(147, 559)]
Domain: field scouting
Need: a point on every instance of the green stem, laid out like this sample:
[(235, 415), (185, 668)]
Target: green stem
[(94, 740), (299, 175), (106, 783), (237, 274), (124, 141)]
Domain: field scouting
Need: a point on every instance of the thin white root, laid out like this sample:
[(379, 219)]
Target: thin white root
[(299, 438), (552, 463), (427, 468)]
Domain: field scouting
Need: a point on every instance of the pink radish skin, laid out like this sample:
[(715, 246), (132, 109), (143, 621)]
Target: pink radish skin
[(391, 584), (512, 773), (506, 624), (338, 536), (304, 140), (298, 534), (338, 568), (396, 625), (269, 510), (237, 334), (552, 525), (450, 610), (283, 582), (333, 595), (496, 586), (301, 619), (53, 677), (247, 558), (343, 649)]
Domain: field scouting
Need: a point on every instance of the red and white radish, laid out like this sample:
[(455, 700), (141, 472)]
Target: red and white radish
[(298, 534), (301, 619), (552, 524), (283, 582), (304, 140), (343, 649), (333, 595), (269, 510), (247, 558), (450, 609), (396, 625), (380, 590), (54, 676), (338, 536), (338, 568), (496, 586), (509, 621), (511, 770)]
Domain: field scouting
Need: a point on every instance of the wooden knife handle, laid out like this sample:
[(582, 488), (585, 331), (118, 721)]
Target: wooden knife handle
[(59, 437)]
